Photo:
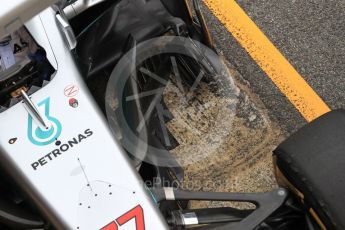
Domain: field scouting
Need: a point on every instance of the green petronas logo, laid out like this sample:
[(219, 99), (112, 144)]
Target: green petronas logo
[(39, 136)]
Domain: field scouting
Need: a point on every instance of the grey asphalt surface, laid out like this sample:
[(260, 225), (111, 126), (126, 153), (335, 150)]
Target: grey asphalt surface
[(310, 34)]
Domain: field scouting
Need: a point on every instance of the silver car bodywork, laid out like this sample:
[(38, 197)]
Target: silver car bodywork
[(85, 181)]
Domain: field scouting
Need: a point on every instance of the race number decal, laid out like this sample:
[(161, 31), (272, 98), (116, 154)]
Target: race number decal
[(136, 213), (111, 226)]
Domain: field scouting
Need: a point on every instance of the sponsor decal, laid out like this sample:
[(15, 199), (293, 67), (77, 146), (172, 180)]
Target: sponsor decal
[(41, 137), (71, 90), (63, 148)]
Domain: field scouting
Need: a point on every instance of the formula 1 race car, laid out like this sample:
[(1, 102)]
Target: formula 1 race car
[(83, 137)]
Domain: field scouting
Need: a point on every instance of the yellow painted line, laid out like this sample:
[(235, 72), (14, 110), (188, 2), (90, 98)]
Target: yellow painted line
[(268, 57)]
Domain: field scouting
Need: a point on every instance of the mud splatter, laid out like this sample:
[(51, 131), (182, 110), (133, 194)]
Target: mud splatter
[(226, 138)]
